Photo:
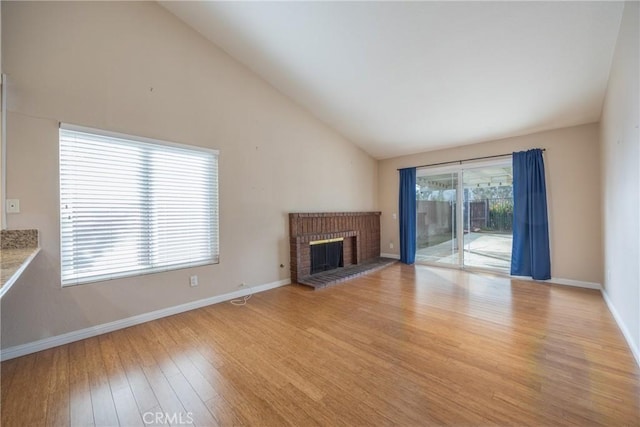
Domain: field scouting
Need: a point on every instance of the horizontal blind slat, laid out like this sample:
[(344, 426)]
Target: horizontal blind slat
[(132, 207)]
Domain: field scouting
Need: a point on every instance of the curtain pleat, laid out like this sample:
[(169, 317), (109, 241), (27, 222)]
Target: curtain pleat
[(407, 211), (530, 252)]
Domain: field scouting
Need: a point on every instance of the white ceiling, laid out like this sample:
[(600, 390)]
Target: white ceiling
[(404, 77)]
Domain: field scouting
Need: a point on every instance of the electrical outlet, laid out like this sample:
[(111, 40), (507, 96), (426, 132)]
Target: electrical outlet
[(390, 245), (13, 206), (193, 281)]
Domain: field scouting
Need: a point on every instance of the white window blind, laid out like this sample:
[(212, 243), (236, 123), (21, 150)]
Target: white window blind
[(132, 206)]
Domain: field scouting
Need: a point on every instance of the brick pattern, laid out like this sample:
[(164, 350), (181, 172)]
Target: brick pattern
[(339, 275), (360, 230)]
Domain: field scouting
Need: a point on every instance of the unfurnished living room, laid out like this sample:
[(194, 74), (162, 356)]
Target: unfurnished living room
[(320, 213)]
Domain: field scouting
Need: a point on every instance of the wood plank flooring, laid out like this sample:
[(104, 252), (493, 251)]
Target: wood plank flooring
[(401, 346)]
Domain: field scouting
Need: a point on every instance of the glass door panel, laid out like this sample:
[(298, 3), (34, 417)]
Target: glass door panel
[(488, 216), (436, 230)]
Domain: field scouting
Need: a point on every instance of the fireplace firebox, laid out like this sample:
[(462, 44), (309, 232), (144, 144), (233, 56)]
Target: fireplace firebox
[(326, 255)]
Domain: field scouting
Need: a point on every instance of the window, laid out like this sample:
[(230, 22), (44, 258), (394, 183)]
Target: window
[(132, 206)]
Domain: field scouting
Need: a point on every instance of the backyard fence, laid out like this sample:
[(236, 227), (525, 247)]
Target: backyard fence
[(500, 214), (435, 218), (491, 215)]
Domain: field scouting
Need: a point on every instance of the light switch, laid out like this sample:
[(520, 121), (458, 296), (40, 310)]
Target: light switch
[(395, 216), (13, 206)]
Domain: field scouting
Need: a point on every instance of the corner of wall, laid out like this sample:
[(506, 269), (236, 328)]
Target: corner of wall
[(620, 180)]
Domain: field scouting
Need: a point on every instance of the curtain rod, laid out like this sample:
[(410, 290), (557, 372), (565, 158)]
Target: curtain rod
[(464, 160)]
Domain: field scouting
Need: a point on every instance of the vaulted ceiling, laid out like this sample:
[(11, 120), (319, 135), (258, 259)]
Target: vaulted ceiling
[(405, 77)]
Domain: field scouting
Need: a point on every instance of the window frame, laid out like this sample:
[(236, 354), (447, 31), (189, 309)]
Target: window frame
[(214, 241)]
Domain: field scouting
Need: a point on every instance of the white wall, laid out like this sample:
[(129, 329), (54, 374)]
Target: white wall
[(135, 68), (620, 142), (572, 167)]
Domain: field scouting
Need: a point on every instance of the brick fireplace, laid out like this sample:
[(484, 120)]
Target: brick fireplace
[(360, 231)]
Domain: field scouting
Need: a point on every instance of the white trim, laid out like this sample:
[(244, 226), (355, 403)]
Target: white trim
[(92, 331), (623, 327), (571, 282), (394, 256), (459, 217), (496, 272), (560, 281), (563, 282)]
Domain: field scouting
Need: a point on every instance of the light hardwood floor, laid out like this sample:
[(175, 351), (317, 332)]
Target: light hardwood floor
[(402, 346)]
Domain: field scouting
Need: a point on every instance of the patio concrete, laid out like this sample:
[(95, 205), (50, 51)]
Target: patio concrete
[(484, 250)]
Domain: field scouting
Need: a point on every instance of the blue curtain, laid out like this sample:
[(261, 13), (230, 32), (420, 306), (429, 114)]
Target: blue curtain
[(407, 212), (530, 251)]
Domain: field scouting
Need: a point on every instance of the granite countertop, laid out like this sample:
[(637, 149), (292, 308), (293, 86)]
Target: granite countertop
[(12, 264), (17, 249)]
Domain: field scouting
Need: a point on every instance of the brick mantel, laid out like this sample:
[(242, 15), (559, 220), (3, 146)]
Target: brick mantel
[(360, 230)]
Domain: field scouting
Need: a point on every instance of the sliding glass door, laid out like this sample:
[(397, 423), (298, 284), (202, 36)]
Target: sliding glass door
[(488, 217), (436, 224), (464, 216)]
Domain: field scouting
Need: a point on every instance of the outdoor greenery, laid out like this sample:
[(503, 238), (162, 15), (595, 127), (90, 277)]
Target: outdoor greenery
[(501, 192), (500, 215)]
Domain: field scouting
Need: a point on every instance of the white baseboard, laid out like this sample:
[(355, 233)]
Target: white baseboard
[(622, 326), (393, 256), (50, 342), (552, 281), (561, 281), (571, 282)]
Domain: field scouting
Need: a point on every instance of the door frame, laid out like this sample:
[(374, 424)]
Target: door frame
[(459, 168)]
